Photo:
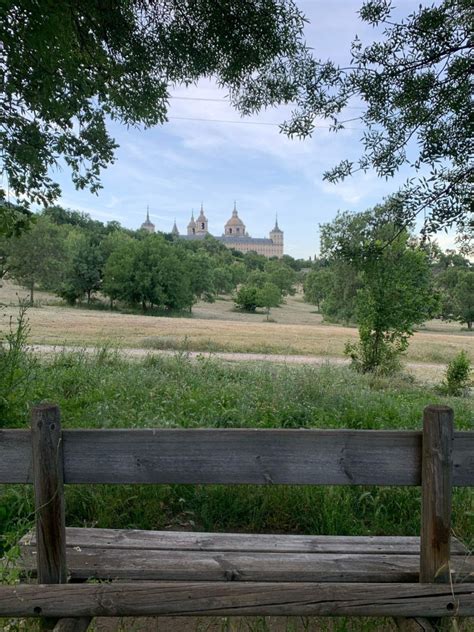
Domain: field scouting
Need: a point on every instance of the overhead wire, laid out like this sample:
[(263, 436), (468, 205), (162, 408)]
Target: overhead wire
[(234, 122), (228, 121)]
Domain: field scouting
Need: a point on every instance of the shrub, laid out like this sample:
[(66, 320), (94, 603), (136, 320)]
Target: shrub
[(16, 364), (457, 377)]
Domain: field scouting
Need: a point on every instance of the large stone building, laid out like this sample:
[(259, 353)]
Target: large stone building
[(235, 235)]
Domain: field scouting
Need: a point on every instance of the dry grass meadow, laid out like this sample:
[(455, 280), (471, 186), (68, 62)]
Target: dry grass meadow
[(298, 330)]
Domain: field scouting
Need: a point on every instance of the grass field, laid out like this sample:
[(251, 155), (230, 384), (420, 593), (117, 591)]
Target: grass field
[(105, 391), (217, 327)]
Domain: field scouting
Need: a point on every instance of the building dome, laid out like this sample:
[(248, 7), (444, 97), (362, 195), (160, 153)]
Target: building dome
[(235, 226)]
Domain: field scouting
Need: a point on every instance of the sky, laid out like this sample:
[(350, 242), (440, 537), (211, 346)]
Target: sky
[(175, 167)]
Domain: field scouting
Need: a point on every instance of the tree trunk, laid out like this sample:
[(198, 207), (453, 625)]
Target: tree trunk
[(88, 296), (32, 292)]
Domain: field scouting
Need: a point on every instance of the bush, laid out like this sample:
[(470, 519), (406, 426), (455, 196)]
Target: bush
[(375, 355), (457, 377), (16, 365), (247, 298)]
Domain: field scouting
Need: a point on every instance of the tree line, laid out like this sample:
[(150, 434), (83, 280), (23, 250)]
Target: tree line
[(79, 258)]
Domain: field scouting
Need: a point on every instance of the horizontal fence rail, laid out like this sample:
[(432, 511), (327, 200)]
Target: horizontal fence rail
[(237, 456), (232, 598)]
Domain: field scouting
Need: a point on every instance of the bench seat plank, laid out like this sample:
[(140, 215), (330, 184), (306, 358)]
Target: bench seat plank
[(234, 598), (241, 558), (201, 541)]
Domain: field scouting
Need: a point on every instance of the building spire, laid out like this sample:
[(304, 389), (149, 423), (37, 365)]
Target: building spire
[(276, 221), (147, 213)]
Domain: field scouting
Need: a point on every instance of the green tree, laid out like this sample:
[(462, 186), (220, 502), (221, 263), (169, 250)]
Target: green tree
[(83, 270), (4, 252), (254, 261), (247, 298), (282, 276), (396, 290), (316, 286), (414, 84), (150, 272), (464, 298), (37, 256), (117, 60), (200, 267), (343, 282), (269, 296), (458, 296), (119, 273), (223, 280)]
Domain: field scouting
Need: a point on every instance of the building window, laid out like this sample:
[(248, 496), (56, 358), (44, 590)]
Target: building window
[(203, 226), (230, 231), (194, 231)]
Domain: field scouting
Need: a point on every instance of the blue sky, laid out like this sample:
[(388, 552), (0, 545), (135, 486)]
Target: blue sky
[(175, 167)]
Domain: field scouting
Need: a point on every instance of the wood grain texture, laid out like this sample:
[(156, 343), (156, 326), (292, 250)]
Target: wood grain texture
[(437, 476), (111, 564), (236, 598), (136, 564), (49, 494), (237, 456), (201, 541)]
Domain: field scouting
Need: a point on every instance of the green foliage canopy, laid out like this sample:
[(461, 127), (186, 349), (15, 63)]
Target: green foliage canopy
[(414, 85), (67, 68)]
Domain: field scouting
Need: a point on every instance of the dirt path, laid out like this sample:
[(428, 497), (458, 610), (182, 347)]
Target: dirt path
[(423, 370)]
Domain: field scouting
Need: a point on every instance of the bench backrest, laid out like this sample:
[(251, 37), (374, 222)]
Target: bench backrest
[(237, 456), (48, 457)]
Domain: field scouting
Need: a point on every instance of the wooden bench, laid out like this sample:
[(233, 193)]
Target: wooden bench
[(147, 573)]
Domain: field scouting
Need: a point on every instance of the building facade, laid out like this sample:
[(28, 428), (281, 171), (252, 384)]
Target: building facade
[(235, 235)]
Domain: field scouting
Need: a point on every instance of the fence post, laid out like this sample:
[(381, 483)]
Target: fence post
[(436, 483), (46, 439)]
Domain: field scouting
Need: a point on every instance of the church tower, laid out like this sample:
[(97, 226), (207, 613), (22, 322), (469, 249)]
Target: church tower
[(147, 225), (201, 223), (192, 225), (174, 230), (276, 235)]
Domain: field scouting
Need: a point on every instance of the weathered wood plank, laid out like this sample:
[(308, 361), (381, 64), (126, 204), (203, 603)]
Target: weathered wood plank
[(242, 542), (437, 475), (15, 457), (236, 598), (49, 495), (237, 456), (139, 564), (134, 564)]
